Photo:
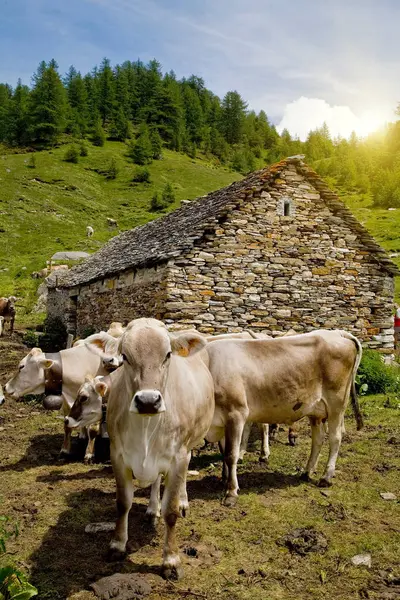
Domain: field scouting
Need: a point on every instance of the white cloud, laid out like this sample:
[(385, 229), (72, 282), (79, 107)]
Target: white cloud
[(306, 114)]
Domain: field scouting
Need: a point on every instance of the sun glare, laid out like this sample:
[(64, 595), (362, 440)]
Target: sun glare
[(369, 122)]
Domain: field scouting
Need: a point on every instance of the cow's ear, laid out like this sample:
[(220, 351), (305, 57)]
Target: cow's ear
[(98, 342), (101, 388), (45, 363), (187, 344)]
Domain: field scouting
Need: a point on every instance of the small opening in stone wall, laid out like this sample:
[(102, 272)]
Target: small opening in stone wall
[(287, 207)]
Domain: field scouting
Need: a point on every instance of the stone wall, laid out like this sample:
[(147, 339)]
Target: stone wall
[(125, 297), (129, 296), (268, 272)]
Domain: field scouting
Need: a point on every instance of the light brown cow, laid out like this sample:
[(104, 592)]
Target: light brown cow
[(7, 311), (281, 381), (160, 405)]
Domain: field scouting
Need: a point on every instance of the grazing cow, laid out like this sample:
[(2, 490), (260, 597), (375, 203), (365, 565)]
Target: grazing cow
[(7, 311), (1, 324), (89, 231), (112, 222), (40, 274), (281, 381), (2, 399), (35, 369), (160, 405)]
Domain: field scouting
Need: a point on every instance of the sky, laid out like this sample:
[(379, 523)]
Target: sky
[(303, 62)]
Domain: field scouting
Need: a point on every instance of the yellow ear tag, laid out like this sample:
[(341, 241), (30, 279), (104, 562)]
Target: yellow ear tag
[(183, 352)]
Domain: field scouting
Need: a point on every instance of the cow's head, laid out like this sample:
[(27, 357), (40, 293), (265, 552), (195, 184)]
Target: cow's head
[(146, 348), (87, 408), (29, 378), (2, 399)]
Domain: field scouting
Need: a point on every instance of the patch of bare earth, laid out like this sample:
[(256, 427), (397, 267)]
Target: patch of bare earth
[(227, 553)]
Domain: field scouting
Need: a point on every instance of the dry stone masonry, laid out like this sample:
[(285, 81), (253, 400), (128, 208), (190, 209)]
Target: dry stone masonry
[(275, 251)]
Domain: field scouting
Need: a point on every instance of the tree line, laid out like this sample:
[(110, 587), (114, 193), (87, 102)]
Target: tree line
[(136, 103), (136, 100)]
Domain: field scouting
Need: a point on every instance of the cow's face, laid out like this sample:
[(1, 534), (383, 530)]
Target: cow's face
[(147, 348), (29, 378), (87, 408), (2, 399)]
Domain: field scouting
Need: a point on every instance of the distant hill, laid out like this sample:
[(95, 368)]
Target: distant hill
[(46, 208)]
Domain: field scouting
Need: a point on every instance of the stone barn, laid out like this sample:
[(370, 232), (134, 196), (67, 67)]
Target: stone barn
[(275, 251)]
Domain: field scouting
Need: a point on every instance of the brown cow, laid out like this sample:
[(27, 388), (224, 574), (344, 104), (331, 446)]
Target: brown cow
[(7, 310)]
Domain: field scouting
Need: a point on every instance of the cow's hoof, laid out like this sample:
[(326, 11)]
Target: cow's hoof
[(89, 459), (173, 572), (263, 459), (115, 555), (151, 520), (305, 477), (64, 455), (292, 441), (324, 483), (230, 501)]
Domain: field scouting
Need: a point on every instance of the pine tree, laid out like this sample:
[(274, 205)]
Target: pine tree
[(140, 150), (98, 137), (120, 126), (168, 196), (78, 114), (193, 114), (18, 123), (233, 117), (156, 144), (47, 104), (106, 91)]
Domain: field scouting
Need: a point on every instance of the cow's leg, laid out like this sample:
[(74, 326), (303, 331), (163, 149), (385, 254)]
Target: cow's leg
[(124, 483), (273, 430), (245, 440), (12, 325), (317, 437), (335, 438), (66, 447), (93, 432), (170, 511), (292, 436), (153, 511), (183, 497), (233, 434), (221, 445), (265, 452)]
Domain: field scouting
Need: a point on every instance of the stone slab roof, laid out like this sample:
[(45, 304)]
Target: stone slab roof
[(175, 233)]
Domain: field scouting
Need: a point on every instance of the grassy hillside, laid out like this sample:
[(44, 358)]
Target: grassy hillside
[(382, 223), (47, 208)]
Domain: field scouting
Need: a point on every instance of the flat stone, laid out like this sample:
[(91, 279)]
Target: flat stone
[(388, 496), (362, 560), (66, 255)]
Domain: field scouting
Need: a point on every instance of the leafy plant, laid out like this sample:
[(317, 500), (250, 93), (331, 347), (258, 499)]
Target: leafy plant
[(376, 377), (13, 583), (168, 196), (156, 204), (141, 175), (30, 339), (72, 154), (83, 149), (32, 162)]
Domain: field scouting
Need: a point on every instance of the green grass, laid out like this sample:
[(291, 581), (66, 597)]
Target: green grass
[(382, 223), (47, 208)]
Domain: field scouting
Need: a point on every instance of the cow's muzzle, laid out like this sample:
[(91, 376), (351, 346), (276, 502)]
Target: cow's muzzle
[(147, 402), (52, 402)]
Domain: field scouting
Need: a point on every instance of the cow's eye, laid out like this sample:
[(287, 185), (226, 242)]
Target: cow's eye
[(21, 367), (124, 358), (84, 398), (167, 357)]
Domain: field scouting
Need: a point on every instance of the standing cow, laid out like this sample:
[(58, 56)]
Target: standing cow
[(281, 381), (160, 405), (7, 311)]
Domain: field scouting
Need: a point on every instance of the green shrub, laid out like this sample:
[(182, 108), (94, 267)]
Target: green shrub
[(379, 377), (156, 204), (32, 161), (168, 196), (141, 175), (13, 583), (30, 339), (98, 137), (83, 149), (55, 335), (72, 154), (112, 170)]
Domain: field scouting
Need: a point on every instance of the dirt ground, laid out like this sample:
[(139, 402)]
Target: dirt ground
[(235, 553)]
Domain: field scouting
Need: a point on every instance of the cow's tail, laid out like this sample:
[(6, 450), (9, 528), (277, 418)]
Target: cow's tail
[(353, 392)]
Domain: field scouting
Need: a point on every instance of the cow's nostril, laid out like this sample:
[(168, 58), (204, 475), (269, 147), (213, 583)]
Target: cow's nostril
[(66, 420)]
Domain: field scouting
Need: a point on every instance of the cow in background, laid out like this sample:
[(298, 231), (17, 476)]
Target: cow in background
[(7, 311)]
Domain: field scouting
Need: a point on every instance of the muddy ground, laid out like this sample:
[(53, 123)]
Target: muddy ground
[(229, 553)]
